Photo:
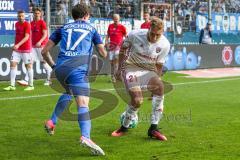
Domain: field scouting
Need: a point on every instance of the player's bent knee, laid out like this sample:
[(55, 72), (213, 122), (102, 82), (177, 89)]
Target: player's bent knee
[(158, 92), (156, 88), (82, 100), (13, 64), (28, 66), (137, 101)]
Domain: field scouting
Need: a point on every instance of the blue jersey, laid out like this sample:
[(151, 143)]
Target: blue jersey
[(76, 43)]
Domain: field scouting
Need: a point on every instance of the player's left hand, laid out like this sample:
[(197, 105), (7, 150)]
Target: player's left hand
[(15, 47), (38, 44)]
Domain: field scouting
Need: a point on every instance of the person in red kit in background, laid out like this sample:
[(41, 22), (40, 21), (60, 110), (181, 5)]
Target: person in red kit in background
[(21, 51), (146, 24), (39, 40), (116, 33)]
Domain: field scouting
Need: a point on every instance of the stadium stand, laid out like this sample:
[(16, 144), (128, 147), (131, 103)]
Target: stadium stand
[(185, 13), (185, 10)]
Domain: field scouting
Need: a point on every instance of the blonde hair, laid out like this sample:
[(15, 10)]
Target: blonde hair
[(156, 23), (116, 15)]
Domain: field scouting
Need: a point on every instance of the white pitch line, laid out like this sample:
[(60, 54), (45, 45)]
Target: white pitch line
[(112, 89), (208, 81), (27, 97)]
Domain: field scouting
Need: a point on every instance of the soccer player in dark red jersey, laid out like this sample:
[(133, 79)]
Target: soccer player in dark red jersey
[(21, 51), (115, 34), (39, 40), (146, 24)]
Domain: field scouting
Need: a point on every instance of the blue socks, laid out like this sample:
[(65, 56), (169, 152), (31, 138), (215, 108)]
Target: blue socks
[(63, 102), (83, 114), (84, 121)]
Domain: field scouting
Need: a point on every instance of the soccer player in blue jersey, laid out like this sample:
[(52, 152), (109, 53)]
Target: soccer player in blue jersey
[(71, 69)]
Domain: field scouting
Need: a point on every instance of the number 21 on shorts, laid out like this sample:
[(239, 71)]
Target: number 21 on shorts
[(132, 78)]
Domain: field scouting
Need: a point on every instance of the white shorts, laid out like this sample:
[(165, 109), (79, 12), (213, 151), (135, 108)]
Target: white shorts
[(113, 55), (135, 77), (25, 57), (36, 54)]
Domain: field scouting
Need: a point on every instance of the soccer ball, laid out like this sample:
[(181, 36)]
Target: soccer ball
[(134, 120)]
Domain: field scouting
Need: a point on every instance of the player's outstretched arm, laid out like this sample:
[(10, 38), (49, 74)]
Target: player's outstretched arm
[(46, 55), (101, 50)]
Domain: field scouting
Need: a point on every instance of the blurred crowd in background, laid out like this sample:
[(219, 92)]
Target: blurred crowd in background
[(185, 10)]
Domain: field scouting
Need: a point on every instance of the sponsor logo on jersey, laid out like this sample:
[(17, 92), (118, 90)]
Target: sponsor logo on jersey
[(158, 49)]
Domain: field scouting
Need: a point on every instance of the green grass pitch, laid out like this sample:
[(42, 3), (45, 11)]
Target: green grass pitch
[(201, 121)]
